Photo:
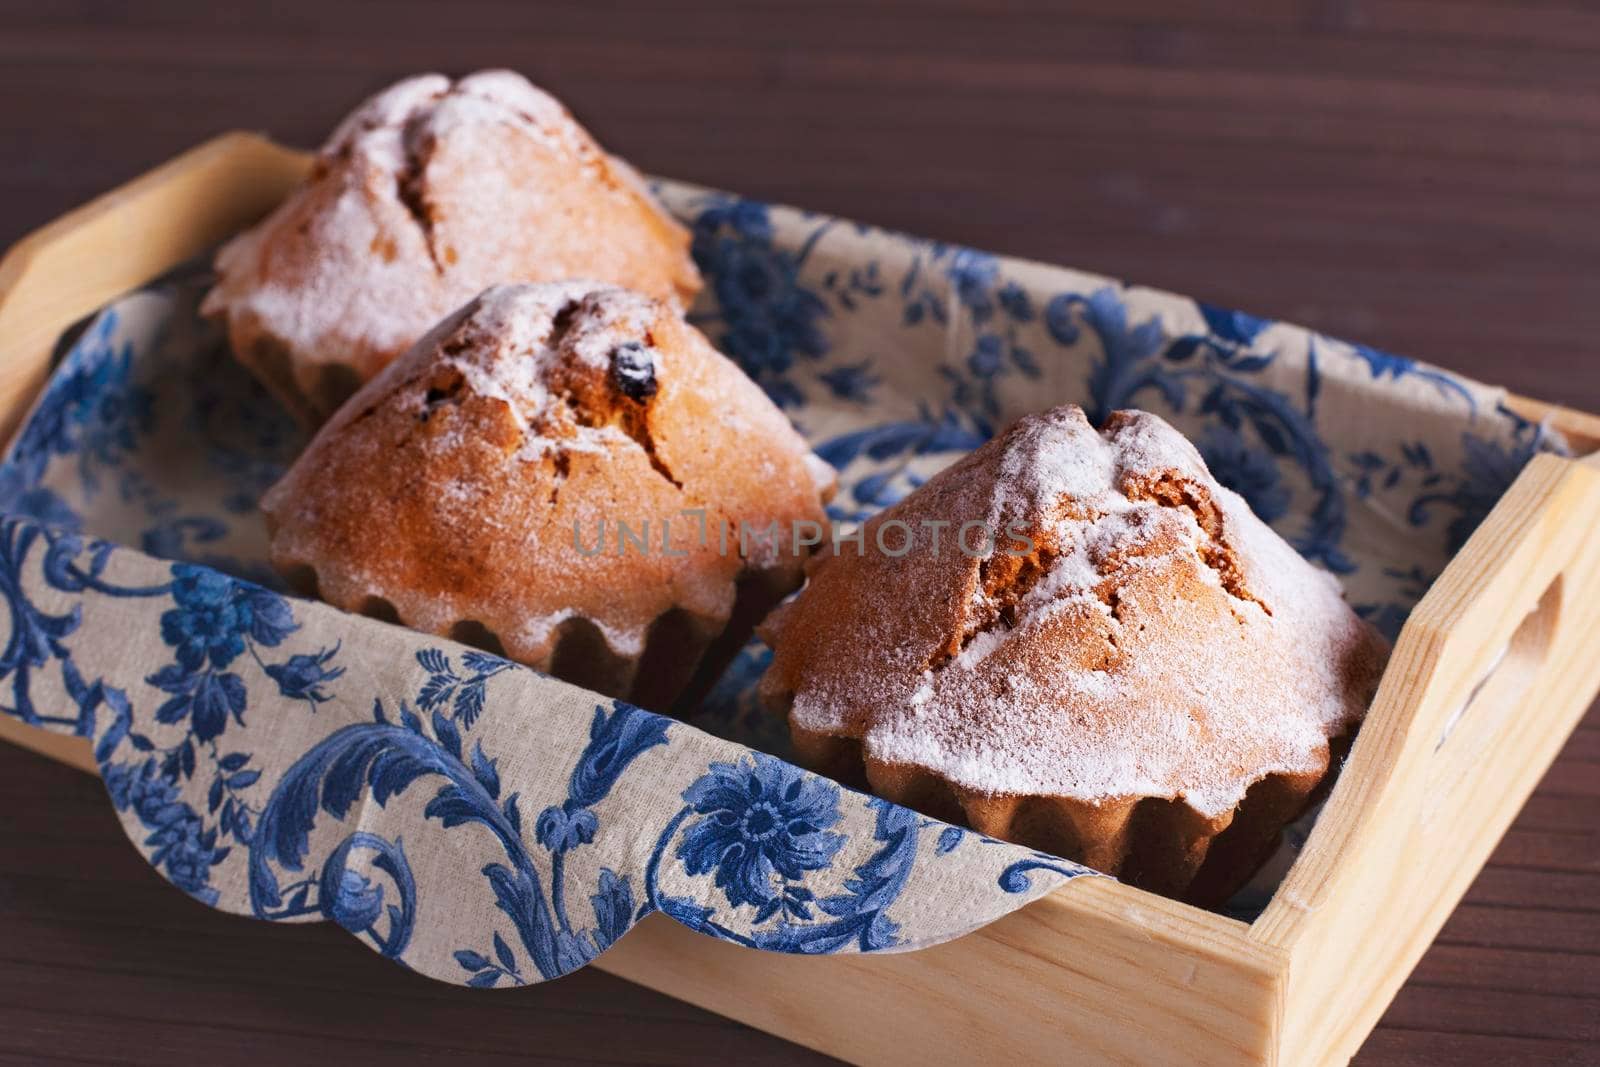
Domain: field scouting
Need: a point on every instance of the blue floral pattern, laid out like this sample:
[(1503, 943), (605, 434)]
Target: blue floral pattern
[(761, 826), (346, 824), (179, 478), (179, 844), (764, 319), (485, 825)]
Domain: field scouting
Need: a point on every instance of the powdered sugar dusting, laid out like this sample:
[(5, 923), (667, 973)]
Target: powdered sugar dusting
[(515, 95), (624, 317), (386, 127), (1162, 641), (484, 475), (513, 343), (540, 631), (426, 194), (375, 127)]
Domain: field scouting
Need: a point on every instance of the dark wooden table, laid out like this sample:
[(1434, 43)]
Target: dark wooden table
[(1419, 175)]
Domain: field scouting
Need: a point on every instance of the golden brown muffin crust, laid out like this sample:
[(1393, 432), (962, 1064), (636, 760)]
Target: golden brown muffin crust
[(1137, 636), (458, 485), (427, 194)]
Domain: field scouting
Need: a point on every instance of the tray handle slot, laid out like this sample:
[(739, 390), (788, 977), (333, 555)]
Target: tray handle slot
[(1469, 733)]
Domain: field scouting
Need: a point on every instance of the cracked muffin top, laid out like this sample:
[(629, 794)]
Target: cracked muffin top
[(481, 480), (1134, 632), (427, 194)]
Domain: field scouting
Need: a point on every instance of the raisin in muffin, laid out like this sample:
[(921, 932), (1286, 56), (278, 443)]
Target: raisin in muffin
[(475, 489), (427, 194), (1136, 674)]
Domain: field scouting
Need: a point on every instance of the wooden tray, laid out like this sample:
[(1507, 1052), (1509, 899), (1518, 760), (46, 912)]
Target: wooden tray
[(1489, 676)]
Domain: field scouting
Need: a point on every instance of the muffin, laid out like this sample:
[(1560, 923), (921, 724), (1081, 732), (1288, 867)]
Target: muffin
[(1133, 671), (426, 195), (558, 473)]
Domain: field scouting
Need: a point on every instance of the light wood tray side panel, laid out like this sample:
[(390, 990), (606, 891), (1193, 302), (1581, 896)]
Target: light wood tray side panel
[(73, 751), (1491, 673), (1096, 973), (120, 241)]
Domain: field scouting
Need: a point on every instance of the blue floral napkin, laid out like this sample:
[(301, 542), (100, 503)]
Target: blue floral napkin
[(487, 825)]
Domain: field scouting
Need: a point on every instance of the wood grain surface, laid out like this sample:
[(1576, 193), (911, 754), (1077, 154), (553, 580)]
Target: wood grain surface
[(1419, 175)]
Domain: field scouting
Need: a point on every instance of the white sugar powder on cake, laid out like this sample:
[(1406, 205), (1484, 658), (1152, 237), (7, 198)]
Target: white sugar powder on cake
[(426, 194), (1159, 640)]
